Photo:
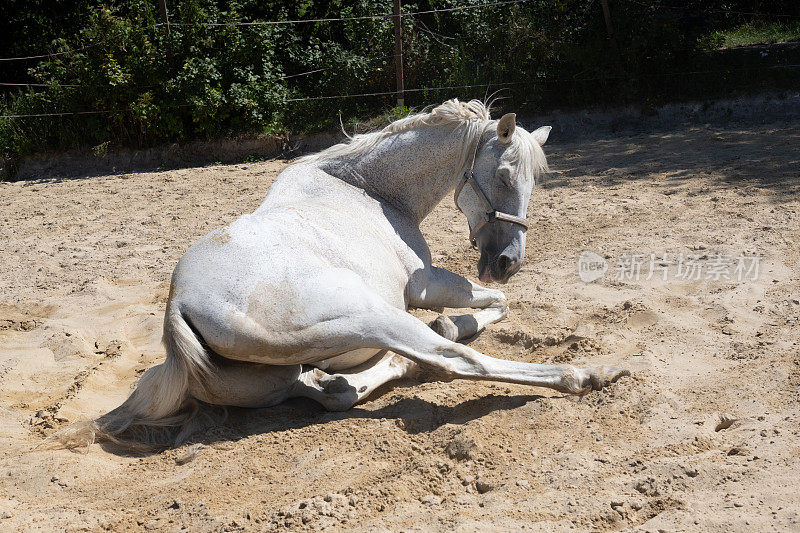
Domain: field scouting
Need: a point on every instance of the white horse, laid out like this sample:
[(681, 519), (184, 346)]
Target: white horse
[(308, 295)]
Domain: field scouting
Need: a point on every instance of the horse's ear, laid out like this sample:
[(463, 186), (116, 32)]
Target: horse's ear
[(541, 134), (505, 127)]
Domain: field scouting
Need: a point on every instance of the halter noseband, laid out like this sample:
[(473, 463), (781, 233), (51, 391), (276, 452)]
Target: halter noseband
[(490, 214)]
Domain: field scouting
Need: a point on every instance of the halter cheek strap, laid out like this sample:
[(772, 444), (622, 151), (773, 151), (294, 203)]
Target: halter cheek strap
[(490, 214)]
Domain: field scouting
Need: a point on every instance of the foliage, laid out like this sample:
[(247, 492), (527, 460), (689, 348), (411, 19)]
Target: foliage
[(140, 82), (144, 84), (757, 32)]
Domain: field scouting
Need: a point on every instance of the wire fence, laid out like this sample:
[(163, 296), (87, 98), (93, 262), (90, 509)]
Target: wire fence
[(40, 85), (498, 85), (722, 11), (417, 23), (67, 52), (366, 17), (283, 22), (423, 89)]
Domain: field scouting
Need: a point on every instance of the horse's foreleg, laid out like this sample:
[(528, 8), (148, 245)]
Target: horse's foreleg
[(405, 335), (463, 327), (443, 288), (339, 392)]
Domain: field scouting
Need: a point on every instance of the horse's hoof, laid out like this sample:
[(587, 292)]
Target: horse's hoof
[(445, 327), (341, 401), (335, 384), (605, 375)]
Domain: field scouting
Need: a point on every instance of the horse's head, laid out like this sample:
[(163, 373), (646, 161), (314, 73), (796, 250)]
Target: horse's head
[(495, 195)]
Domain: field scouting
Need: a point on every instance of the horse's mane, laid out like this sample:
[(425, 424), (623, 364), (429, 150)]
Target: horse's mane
[(450, 112), (473, 117)]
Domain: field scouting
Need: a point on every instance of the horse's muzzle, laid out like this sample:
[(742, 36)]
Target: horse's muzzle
[(499, 268)]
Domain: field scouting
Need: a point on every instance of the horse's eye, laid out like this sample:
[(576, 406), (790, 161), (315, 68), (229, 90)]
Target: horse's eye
[(504, 175)]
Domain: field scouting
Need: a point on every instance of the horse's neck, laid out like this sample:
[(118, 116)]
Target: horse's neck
[(411, 170)]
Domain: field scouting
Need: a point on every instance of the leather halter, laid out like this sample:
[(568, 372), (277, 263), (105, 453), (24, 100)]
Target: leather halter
[(490, 214)]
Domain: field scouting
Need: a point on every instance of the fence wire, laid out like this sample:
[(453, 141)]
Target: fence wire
[(380, 93)]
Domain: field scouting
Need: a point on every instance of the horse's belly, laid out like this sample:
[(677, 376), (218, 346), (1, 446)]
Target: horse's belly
[(347, 360)]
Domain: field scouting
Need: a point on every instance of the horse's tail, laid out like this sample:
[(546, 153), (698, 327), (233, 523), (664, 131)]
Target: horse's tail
[(160, 411)]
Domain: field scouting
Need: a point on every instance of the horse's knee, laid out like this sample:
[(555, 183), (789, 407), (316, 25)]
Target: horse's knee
[(445, 327)]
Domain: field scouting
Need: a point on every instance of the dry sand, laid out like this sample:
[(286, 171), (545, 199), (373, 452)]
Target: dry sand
[(704, 436)]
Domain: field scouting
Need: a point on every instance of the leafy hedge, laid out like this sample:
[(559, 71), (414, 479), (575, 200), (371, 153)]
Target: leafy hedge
[(142, 83)]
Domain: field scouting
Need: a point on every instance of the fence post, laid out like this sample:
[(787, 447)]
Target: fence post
[(610, 31), (162, 4), (398, 52)]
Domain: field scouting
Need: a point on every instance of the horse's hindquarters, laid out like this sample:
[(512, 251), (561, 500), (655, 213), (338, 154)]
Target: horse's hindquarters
[(262, 290)]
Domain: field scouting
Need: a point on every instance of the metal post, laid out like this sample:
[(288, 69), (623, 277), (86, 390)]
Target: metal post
[(164, 16), (398, 52)]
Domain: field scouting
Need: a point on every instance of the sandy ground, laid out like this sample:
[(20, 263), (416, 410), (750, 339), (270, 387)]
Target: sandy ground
[(703, 436)]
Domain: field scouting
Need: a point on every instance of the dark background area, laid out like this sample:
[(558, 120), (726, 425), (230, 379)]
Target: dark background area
[(137, 83)]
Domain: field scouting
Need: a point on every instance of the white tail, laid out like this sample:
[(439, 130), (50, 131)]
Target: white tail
[(160, 411)]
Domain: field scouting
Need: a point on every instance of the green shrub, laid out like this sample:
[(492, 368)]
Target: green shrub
[(143, 83)]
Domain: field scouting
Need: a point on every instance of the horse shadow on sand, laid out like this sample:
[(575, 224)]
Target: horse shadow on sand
[(412, 415)]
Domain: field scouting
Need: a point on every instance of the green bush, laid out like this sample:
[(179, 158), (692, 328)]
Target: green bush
[(757, 32), (150, 85), (143, 83)]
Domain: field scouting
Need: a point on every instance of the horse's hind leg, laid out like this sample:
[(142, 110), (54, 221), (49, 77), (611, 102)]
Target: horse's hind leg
[(339, 392), (242, 384), (400, 332)]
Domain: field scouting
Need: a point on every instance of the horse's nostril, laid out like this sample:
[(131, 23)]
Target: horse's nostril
[(504, 263), (507, 266)]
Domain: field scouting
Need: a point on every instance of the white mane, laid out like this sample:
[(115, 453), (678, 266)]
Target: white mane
[(473, 117)]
